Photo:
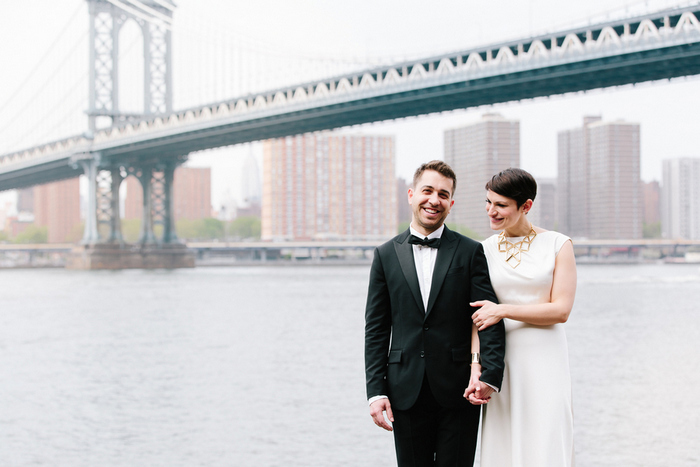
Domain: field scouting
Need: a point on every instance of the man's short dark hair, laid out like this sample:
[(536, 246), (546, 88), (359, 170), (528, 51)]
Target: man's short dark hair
[(514, 183), (440, 167)]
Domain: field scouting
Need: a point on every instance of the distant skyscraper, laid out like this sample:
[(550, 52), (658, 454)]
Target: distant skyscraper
[(404, 209), (477, 152), (251, 188), (599, 186), (680, 198), (322, 185), (543, 212), (615, 187), (25, 200), (652, 202), (191, 193), (572, 179), (57, 207)]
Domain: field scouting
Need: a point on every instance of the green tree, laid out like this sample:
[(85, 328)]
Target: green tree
[(200, 229), (245, 227), (131, 228), (4, 236), (33, 234), (651, 230), (212, 228)]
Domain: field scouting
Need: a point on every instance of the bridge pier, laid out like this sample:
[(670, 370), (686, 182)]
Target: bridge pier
[(105, 248), (89, 166), (147, 235), (115, 225)]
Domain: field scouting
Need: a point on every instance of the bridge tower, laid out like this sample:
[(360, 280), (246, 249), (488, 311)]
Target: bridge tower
[(103, 246), (154, 18)]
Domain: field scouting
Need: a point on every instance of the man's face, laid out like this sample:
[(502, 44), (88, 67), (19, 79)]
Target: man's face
[(431, 201)]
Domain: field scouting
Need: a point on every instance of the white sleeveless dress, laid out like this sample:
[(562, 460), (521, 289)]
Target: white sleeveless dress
[(529, 423)]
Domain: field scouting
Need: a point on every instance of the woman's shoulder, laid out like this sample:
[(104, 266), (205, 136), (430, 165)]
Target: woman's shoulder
[(555, 238)]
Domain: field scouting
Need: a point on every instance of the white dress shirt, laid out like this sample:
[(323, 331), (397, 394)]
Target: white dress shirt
[(424, 258)]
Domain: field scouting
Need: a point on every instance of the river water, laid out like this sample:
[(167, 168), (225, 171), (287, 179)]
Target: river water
[(263, 366)]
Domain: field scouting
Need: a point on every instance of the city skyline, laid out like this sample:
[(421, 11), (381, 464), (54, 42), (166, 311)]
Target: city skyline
[(663, 109)]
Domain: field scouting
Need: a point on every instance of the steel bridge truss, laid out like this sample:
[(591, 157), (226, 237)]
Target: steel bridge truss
[(106, 21)]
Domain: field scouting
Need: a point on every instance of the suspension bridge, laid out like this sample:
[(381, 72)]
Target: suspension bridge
[(655, 46)]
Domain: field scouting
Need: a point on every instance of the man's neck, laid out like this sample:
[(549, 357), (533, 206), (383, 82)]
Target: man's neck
[(421, 232)]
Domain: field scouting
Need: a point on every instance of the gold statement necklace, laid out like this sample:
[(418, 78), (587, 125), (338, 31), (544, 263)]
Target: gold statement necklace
[(515, 250)]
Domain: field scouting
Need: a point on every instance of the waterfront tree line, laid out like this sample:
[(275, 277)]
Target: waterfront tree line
[(245, 228)]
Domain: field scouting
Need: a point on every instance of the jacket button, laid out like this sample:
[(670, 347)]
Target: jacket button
[(426, 328), (422, 354)]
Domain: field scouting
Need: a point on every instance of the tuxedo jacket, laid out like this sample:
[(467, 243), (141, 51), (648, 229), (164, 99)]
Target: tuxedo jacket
[(404, 342)]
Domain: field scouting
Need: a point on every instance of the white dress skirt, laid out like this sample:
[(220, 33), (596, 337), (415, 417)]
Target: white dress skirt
[(529, 423)]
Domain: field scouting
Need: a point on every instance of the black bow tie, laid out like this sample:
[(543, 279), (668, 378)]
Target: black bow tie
[(430, 242)]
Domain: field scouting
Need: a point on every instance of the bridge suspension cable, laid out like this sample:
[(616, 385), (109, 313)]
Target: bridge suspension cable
[(41, 60), (53, 85)]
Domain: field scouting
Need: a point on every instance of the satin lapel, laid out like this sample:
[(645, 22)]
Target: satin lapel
[(448, 247), (404, 251)]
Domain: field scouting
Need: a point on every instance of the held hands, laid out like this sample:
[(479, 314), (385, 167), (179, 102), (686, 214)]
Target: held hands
[(477, 393), (487, 315), (377, 409)]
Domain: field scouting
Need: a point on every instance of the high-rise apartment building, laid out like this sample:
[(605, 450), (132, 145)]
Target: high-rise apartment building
[(25, 200), (680, 198), (652, 202), (477, 152), (572, 179), (614, 171), (403, 208), (133, 203), (543, 212), (325, 186), (599, 186), (191, 194), (57, 207)]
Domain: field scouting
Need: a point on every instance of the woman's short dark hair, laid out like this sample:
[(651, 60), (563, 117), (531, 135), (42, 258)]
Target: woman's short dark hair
[(515, 184)]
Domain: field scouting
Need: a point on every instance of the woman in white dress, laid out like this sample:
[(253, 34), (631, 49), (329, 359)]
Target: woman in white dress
[(529, 422)]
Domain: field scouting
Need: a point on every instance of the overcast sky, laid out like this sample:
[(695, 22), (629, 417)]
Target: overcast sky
[(309, 33)]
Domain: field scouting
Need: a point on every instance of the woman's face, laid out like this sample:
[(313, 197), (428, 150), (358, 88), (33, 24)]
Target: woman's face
[(503, 212)]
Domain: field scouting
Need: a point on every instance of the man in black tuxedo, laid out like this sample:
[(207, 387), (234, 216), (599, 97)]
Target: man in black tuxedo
[(418, 331)]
